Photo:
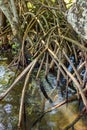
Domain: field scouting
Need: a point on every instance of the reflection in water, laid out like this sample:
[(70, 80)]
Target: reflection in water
[(56, 120), (2, 126), (8, 108), (2, 71)]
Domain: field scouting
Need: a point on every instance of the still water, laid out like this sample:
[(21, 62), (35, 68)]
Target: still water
[(34, 105)]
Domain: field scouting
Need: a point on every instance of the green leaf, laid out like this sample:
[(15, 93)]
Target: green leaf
[(30, 5)]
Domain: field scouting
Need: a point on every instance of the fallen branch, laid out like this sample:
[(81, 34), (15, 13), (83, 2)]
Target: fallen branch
[(76, 120), (77, 85), (73, 98), (21, 75), (16, 81), (23, 93)]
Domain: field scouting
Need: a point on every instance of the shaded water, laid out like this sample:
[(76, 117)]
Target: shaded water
[(34, 104)]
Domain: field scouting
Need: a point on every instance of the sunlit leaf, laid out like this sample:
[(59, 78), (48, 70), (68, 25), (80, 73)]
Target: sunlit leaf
[(30, 5)]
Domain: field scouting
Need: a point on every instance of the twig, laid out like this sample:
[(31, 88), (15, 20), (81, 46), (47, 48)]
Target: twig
[(14, 11), (77, 85), (74, 42), (21, 75), (76, 120), (76, 72), (16, 80), (40, 66), (79, 69), (23, 93), (52, 108), (73, 98)]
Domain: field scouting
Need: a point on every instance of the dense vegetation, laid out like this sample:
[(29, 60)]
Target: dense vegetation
[(39, 36)]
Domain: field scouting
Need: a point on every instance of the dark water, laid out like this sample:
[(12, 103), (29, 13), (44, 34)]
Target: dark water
[(34, 104)]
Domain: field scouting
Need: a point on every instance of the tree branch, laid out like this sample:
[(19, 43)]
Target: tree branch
[(14, 11)]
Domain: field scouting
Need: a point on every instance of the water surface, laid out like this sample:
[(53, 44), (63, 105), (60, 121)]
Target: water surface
[(34, 105)]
